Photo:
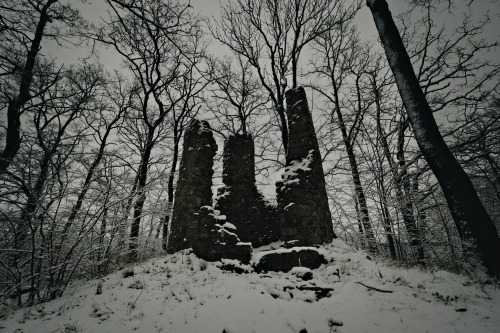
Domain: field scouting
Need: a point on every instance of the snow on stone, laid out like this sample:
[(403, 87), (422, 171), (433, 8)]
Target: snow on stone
[(258, 255), (298, 270), (229, 226), (289, 176), (227, 232), (220, 218)]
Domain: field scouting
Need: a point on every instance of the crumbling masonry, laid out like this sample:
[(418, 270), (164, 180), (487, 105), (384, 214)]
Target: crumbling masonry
[(195, 224), (239, 200), (194, 187), (245, 217)]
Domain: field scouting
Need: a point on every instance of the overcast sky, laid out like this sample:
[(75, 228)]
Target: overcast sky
[(97, 8)]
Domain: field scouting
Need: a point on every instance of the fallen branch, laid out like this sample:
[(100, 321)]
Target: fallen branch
[(319, 291), (374, 288)]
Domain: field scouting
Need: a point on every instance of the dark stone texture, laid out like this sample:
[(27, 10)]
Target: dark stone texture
[(321, 292), (285, 260), (239, 160), (215, 241), (244, 206), (194, 187), (304, 213), (194, 222), (306, 276)]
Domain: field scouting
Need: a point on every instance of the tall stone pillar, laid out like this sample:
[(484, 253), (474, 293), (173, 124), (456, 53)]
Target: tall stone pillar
[(194, 187), (301, 194), (239, 200)]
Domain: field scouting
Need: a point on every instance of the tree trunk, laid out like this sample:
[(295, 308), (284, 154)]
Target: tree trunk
[(360, 194), (284, 127), (472, 221), (13, 137), (386, 216), (141, 198), (86, 186), (102, 235), (170, 188), (403, 199), (403, 183)]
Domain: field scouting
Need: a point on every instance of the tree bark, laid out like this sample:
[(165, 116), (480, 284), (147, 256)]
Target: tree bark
[(141, 198), (13, 137), (170, 188), (284, 127), (473, 222), (360, 194), (403, 199)]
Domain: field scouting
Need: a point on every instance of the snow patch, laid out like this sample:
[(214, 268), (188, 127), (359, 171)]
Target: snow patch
[(229, 226), (182, 293)]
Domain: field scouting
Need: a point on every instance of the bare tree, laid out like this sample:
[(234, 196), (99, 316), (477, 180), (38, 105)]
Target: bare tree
[(23, 26), (341, 60), (38, 183), (238, 96), (381, 85), (152, 37), (273, 34), (472, 221)]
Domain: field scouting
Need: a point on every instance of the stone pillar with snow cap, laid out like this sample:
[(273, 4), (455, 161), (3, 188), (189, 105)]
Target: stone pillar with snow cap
[(194, 187), (301, 194)]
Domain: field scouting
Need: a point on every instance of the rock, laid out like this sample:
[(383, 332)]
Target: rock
[(129, 271), (136, 285), (283, 260), (235, 267), (321, 292), (332, 274), (333, 323), (98, 290)]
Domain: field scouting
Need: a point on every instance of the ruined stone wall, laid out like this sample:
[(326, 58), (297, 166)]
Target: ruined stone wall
[(301, 194), (194, 186), (302, 214), (239, 160), (217, 239), (239, 200), (195, 224)]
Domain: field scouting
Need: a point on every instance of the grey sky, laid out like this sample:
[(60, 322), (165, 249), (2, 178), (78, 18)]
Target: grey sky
[(97, 8)]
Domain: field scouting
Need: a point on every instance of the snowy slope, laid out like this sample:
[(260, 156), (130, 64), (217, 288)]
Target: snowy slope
[(181, 293)]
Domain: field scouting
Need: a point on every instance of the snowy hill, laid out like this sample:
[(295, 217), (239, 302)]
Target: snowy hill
[(181, 293)]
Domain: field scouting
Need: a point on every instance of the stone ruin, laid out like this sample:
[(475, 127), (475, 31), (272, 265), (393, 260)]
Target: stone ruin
[(242, 217), (195, 224), (194, 186), (239, 200), (304, 214)]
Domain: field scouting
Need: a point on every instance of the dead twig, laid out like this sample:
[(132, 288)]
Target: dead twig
[(374, 288)]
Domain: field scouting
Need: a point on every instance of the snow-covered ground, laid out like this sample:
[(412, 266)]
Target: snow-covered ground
[(181, 293)]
